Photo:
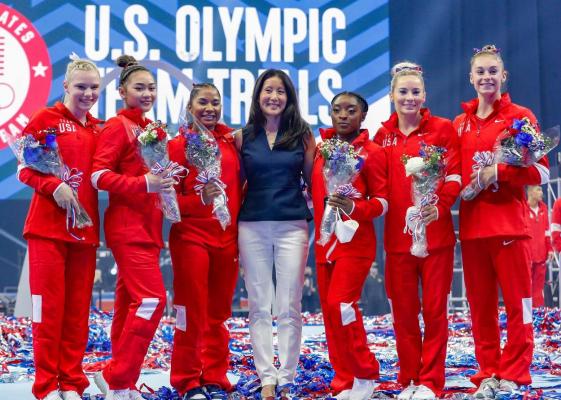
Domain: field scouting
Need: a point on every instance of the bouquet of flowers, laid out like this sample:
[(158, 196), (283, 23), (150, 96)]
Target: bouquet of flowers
[(202, 152), (153, 141), (39, 151), (521, 145), (427, 171), (342, 163)]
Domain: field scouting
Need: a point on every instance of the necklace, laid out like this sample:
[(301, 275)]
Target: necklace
[(271, 137)]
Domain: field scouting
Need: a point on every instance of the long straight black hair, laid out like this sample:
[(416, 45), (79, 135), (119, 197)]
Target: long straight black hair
[(293, 126)]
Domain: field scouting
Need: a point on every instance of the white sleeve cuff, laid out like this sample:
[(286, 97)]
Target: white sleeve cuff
[(544, 173), (454, 178), (95, 177), (20, 168), (384, 204)]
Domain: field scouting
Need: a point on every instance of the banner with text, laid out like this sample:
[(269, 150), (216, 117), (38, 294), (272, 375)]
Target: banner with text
[(325, 46)]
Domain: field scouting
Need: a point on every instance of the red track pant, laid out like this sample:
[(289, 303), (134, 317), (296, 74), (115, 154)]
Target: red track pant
[(421, 358), (340, 285), (489, 263), (140, 299), (204, 283), (538, 281), (61, 277)]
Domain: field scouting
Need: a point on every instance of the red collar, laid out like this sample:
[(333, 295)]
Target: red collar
[(135, 115), (470, 107), (221, 130), (360, 140), (91, 122), (392, 124)]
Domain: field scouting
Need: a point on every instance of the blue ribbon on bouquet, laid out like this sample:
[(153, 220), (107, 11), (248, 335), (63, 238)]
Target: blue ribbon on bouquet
[(348, 190), (174, 170), (207, 176), (483, 159), (414, 218), (73, 178)]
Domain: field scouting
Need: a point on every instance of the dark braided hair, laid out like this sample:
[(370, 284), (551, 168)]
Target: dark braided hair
[(197, 87), (130, 66)]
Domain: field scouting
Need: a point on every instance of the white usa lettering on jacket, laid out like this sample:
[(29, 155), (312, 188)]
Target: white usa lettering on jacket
[(66, 125)]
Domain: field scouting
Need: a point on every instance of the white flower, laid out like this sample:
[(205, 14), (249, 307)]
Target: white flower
[(414, 165), (147, 136)]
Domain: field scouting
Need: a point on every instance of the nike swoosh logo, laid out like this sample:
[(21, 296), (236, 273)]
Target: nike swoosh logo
[(499, 120), (507, 242)]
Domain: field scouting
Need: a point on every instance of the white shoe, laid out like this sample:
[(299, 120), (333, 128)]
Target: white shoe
[(362, 389), (407, 393), (343, 395), (71, 395), (507, 386), (135, 395), (101, 383), (487, 389), (118, 394), (54, 395), (423, 393)]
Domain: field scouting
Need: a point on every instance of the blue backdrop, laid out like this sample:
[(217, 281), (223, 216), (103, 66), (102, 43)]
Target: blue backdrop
[(439, 34), (324, 45)]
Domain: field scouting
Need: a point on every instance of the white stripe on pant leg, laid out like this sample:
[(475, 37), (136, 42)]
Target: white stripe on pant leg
[(348, 314), (147, 308), (391, 310), (37, 305), (527, 310), (180, 318)]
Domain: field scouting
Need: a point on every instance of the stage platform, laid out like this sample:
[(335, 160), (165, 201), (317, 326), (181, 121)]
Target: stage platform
[(314, 372)]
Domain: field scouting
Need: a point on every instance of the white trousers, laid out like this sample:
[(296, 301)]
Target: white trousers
[(283, 244)]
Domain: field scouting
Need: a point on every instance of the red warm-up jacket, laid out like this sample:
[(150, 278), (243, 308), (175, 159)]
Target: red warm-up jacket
[(371, 183), (77, 145), (556, 225), (432, 130), (540, 244), (197, 221), (133, 215), (500, 213)]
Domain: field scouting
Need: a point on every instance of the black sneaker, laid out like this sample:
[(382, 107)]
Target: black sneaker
[(215, 392), (195, 394)]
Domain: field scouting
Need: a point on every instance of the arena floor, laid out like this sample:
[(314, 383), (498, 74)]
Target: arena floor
[(314, 372)]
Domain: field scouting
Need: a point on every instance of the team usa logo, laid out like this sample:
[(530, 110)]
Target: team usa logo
[(390, 140), (65, 125), (25, 72)]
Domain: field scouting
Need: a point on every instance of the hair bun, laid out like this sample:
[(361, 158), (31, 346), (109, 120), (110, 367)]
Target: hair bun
[(488, 48), (125, 61), (406, 66)]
